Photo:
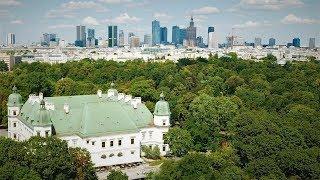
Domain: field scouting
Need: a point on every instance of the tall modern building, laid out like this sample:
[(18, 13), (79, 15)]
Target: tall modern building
[(175, 35), (163, 35), (183, 35), (112, 36), (212, 39), (312, 43), (296, 42), (121, 38), (11, 39), (191, 34), (47, 38), (257, 42), (91, 40), (81, 36), (147, 40), (156, 34), (130, 34), (272, 42)]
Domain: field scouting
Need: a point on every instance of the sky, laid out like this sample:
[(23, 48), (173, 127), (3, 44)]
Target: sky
[(281, 19)]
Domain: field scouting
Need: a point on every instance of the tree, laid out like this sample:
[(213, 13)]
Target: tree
[(117, 175), (179, 140), (3, 66), (233, 82), (65, 87)]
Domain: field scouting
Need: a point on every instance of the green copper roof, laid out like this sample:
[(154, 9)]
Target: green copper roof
[(162, 107), (15, 98), (91, 116)]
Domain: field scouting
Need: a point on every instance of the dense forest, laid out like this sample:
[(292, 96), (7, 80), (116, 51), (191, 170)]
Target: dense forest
[(231, 118)]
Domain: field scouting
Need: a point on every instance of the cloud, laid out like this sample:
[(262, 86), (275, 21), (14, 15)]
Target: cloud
[(76, 5), (4, 13), (9, 3), (115, 1), (90, 21), (293, 19), (61, 13), (18, 21), (61, 26), (252, 24), (122, 19), (205, 10), (162, 16), (267, 4)]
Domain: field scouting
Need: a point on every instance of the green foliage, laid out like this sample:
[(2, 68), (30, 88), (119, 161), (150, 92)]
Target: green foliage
[(43, 158), (151, 152), (179, 140), (3, 66), (117, 175)]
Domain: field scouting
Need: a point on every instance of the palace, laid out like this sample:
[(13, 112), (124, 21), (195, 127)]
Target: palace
[(111, 126)]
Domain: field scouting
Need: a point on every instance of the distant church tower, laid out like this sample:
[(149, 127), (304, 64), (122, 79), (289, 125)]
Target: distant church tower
[(162, 113)]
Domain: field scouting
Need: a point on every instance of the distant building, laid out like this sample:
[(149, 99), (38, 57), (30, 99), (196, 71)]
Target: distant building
[(81, 36), (212, 38), (10, 60), (47, 38), (11, 39), (147, 40), (257, 42), (121, 38), (163, 35), (191, 34), (130, 34), (312, 43), (91, 40), (112, 36), (183, 35), (175, 35), (112, 126), (272, 42), (296, 42), (199, 42), (134, 42), (156, 32)]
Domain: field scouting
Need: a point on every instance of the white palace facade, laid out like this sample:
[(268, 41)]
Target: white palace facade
[(112, 127)]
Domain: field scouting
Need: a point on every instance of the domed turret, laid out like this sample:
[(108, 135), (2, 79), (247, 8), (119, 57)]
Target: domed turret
[(162, 107), (15, 99), (42, 118)]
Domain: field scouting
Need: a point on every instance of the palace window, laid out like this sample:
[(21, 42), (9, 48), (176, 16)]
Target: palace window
[(132, 152), (93, 142), (88, 141), (150, 134), (132, 140), (163, 148), (14, 136), (103, 144), (14, 124), (143, 135), (163, 122), (111, 143), (14, 113), (47, 133), (119, 142)]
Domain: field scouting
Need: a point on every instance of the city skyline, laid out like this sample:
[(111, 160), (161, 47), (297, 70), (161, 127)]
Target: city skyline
[(282, 19)]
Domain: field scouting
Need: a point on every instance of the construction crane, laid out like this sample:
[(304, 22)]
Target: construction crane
[(232, 38)]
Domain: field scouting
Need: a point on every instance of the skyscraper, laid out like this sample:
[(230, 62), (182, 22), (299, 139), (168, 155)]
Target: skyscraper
[(175, 35), (130, 34), (155, 32), (134, 42), (272, 42), (163, 35), (11, 39), (296, 42), (183, 35), (312, 43), (91, 40), (147, 40), (112, 36), (212, 39), (121, 38), (257, 42), (47, 37), (81, 36), (191, 34)]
